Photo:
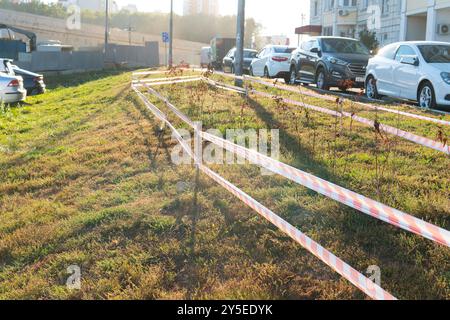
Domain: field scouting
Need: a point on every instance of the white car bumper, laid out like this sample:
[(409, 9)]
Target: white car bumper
[(442, 91), (12, 96), (278, 68)]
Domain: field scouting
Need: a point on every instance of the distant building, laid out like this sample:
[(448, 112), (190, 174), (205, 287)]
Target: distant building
[(92, 5), (392, 20), (207, 7), (131, 8), (279, 40)]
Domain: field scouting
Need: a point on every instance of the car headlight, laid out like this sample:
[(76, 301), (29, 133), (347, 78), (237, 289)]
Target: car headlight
[(337, 61), (446, 77)]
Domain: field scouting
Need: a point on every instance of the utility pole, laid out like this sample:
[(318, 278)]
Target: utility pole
[(171, 35), (239, 56), (106, 26)]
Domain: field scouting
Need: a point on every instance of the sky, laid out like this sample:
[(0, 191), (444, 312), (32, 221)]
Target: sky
[(279, 17)]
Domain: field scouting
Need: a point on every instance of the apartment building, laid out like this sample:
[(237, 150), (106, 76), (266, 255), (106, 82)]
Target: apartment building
[(392, 20), (208, 7)]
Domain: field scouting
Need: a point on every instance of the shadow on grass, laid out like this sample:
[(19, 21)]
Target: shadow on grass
[(75, 79)]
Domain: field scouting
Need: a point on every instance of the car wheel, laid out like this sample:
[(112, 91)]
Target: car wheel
[(426, 96), (251, 72), (371, 88), (266, 73), (321, 80), (292, 76), (232, 70), (287, 78)]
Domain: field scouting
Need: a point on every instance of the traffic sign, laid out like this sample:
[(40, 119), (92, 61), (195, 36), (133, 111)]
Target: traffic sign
[(165, 37)]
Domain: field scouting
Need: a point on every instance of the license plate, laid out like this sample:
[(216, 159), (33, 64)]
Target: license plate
[(360, 79)]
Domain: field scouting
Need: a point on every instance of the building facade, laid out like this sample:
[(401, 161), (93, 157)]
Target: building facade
[(392, 20), (207, 7)]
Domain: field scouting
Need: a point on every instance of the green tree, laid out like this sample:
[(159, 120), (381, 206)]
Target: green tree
[(369, 39)]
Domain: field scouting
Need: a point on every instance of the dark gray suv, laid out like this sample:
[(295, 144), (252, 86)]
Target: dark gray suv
[(330, 62)]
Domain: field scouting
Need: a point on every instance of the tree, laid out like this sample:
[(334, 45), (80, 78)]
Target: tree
[(369, 39)]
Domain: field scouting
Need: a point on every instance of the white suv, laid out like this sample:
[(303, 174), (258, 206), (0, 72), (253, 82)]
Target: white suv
[(417, 71)]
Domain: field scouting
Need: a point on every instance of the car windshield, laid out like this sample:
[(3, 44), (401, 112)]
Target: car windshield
[(343, 46), (435, 53), (283, 50), (250, 54)]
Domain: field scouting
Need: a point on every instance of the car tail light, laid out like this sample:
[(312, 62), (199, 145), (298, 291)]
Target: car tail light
[(279, 59), (14, 83)]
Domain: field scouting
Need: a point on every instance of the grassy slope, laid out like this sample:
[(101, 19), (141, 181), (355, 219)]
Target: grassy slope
[(84, 180)]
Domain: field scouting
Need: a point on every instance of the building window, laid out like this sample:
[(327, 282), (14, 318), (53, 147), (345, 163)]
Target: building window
[(316, 8), (385, 7), (327, 31)]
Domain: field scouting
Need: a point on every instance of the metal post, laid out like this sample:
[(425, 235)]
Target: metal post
[(239, 59), (171, 35), (106, 26)]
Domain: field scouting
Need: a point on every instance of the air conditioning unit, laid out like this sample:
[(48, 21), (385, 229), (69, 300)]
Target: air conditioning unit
[(443, 29), (343, 13)]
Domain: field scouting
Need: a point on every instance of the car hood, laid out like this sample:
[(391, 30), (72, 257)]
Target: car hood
[(350, 57), (442, 67)]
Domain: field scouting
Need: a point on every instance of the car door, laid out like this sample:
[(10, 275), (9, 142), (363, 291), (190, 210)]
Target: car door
[(307, 66), (384, 71), (258, 65), (405, 75)]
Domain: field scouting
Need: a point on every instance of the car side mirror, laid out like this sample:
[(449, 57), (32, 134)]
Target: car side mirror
[(411, 60), (315, 50)]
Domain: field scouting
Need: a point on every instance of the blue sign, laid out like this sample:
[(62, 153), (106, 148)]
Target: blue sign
[(165, 37)]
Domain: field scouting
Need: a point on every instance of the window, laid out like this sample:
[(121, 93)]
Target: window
[(385, 6), (327, 31), (388, 52), (283, 49), (316, 8), (404, 51), (349, 3), (435, 53), (335, 45), (249, 54)]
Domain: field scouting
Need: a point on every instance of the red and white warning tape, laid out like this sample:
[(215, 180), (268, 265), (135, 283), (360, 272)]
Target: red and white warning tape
[(320, 96), (335, 192), (356, 278), (438, 146)]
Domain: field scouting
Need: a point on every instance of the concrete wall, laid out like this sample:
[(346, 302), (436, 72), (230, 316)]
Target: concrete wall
[(77, 61), (93, 36)]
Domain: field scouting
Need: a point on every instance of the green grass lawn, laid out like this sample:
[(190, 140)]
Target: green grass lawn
[(85, 180)]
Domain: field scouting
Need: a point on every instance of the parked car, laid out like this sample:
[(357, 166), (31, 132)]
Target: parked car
[(272, 62), (205, 57), (11, 89), (228, 61), (33, 82), (418, 71), (330, 62)]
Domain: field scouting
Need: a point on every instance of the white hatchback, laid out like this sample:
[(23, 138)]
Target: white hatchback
[(417, 71), (272, 62)]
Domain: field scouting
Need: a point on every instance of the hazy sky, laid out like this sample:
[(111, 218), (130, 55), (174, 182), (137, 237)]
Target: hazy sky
[(277, 17)]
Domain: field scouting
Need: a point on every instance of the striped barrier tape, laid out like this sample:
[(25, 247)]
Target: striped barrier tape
[(141, 83), (356, 201), (315, 95), (163, 79), (438, 146), (352, 275)]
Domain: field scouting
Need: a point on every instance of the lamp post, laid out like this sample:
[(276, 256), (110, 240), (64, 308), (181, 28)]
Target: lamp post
[(106, 25), (240, 34), (171, 35)]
